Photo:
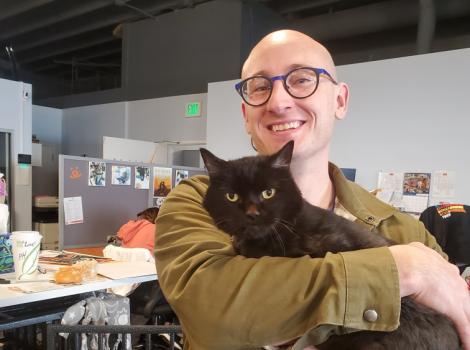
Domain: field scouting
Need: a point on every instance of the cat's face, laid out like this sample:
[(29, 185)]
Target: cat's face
[(248, 196)]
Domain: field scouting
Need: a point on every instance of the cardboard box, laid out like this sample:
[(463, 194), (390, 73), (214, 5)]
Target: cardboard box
[(6, 256)]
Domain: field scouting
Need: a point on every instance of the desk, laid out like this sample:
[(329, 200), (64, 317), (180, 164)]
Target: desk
[(9, 297), (11, 301)]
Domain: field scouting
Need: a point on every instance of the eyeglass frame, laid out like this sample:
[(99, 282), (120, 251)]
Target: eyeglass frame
[(318, 72)]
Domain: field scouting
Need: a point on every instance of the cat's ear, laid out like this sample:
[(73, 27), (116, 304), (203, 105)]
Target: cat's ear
[(283, 157), (213, 164)]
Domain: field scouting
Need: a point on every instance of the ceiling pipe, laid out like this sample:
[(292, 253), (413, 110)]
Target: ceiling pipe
[(96, 24), (17, 7), (426, 26), (71, 46), (55, 17), (308, 5), (95, 54), (373, 18)]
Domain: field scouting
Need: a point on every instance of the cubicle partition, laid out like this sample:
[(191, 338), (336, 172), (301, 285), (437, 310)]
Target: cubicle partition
[(97, 196)]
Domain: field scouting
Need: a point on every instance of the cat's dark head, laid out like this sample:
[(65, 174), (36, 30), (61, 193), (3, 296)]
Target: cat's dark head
[(248, 197)]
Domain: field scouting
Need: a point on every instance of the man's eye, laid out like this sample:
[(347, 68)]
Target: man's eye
[(232, 197), (268, 194)]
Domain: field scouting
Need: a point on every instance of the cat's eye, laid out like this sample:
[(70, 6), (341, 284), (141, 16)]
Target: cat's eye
[(232, 197), (267, 194)]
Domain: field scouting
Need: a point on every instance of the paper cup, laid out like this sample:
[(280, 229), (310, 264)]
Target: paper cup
[(25, 248)]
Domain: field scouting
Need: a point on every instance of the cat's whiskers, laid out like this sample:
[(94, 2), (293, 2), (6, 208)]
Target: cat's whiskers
[(278, 238), (287, 225)]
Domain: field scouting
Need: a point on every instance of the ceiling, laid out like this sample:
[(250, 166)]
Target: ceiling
[(77, 42)]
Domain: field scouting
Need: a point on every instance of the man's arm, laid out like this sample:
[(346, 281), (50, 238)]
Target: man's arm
[(429, 279), (231, 302)]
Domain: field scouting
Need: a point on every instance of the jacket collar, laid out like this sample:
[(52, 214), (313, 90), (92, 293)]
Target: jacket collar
[(360, 203)]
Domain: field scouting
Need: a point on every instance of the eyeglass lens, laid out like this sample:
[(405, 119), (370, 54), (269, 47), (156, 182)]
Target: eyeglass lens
[(299, 83)]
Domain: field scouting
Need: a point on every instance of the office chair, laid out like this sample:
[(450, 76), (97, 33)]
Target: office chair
[(450, 224)]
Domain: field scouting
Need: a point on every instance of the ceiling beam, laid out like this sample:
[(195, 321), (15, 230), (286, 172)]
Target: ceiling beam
[(71, 46), (375, 17), (307, 5), (98, 53), (16, 7), (96, 23), (54, 17)]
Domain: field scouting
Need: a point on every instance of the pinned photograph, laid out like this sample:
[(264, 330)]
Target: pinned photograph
[(96, 174), (158, 201), (142, 177), (181, 175), (121, 175), (161, 181)]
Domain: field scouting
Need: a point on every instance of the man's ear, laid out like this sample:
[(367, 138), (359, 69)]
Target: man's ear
[(213, 164), (342, 101)]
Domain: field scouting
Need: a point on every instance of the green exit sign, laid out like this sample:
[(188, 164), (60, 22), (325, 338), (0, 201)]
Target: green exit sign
[(193, 109)]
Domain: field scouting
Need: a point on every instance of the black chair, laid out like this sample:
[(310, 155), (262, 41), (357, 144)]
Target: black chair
[(450, 224)]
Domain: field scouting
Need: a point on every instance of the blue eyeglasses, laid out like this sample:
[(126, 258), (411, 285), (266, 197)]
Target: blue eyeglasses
[(299, 83)]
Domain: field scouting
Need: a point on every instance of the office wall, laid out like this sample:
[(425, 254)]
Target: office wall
[(83, 128), (15, 118), (200, 47), (47, 126), (162, 119), (226, 135), (406, 114), (159, 119)]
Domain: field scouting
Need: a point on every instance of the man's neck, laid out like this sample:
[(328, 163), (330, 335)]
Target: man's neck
[(313, 180)]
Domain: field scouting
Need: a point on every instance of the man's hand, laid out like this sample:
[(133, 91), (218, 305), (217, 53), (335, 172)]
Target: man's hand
[(430, 280)]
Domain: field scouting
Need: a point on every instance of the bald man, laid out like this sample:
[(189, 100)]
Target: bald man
[(225, 301)]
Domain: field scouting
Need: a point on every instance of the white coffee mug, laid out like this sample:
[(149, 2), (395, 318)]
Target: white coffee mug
[(25, 248)]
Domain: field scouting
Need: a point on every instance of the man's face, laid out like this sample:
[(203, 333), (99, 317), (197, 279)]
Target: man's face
[(309, 121)]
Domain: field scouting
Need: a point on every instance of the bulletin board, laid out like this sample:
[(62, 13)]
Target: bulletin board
[(106, 206)]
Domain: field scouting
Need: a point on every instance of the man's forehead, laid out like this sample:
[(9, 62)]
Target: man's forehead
[(279, 58)]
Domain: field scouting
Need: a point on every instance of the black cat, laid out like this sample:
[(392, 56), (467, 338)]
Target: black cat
[(256, 201)]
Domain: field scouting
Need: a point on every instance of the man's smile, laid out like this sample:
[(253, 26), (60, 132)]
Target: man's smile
[(285, 126)]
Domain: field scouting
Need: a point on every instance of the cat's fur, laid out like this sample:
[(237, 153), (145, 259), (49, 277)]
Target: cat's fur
[(286, 225)]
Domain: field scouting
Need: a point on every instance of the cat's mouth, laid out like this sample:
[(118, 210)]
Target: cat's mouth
[(285, 126)]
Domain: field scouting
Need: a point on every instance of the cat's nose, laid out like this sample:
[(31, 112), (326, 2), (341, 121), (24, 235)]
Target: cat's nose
[(252, 211)]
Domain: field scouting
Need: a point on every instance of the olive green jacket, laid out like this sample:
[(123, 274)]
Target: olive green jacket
[(226, 301)]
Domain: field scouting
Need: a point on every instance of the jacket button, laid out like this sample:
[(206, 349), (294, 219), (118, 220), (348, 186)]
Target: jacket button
[(370, 219), (370, 315)]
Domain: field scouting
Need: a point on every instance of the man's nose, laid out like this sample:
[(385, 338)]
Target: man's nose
[(280, 99)]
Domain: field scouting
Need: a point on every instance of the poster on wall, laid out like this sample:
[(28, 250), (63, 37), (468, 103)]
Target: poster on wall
[(96, 174), (142, 178), (416, 188), (180, 175), (121, 175), (161, 181)]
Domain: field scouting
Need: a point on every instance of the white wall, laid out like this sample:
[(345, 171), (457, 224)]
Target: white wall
[(226, 135), (154, 120), (15, 118), (83, 128), (162, 119), (406, 114), (47, 126)]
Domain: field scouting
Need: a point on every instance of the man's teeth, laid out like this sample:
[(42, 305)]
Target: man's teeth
[(286, 126)]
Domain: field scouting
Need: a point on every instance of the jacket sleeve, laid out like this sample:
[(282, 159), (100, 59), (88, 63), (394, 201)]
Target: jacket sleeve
[(226, 301)]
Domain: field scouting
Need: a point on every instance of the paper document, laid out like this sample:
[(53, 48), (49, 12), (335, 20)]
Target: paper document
[(73, 210), (121, 269)]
